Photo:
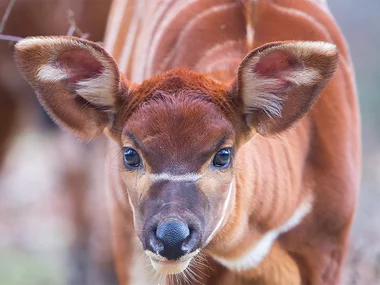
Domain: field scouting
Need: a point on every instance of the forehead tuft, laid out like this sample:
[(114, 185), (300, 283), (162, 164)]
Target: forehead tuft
[(177, 80), (178, 97), (173, 83)]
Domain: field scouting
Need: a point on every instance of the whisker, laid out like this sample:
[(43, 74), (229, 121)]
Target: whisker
[(187, 276), (194, 275)]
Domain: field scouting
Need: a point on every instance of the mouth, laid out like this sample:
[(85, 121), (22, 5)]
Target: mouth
[(169, 267)]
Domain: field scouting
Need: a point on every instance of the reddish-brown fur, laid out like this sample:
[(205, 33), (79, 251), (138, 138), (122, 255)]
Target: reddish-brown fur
[(300, 163)]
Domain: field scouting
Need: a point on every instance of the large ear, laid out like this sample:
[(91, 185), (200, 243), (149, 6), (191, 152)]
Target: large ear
[(76, 81), (279, 82)]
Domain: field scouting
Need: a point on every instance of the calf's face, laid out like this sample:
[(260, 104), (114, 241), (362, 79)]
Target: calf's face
[(178, 148), (178, 132)]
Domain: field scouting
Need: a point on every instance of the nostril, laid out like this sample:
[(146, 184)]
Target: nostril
[(155, 244), (191, 241), (172, 233)]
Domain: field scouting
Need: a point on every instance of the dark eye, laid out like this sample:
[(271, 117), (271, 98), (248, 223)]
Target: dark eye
[(132, 159), (222, 158)]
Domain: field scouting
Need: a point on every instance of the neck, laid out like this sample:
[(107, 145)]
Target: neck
[(277, 173)]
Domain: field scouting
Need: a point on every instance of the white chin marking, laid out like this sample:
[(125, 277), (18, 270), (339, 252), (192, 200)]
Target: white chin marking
[(170, 267)]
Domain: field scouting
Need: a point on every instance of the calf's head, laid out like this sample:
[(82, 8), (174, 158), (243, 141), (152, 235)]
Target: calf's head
[(178, 132)]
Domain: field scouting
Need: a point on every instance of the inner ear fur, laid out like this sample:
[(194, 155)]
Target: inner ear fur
[(77, 81), (278, 82)]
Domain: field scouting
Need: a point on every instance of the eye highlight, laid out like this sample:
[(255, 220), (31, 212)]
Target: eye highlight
[(222, 158), (132, 159)]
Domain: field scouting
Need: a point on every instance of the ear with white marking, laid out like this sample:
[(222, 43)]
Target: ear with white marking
[(76, 81), (277, 83)]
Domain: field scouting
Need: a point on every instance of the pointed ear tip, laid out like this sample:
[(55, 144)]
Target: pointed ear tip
[(29, 42), (326, 48), (19, 47), (38, 41), (24, 47), (330, 49)]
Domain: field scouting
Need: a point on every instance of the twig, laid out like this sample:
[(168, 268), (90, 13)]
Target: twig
[(72, 31), (6, 15), (10, 38), (74, 28)]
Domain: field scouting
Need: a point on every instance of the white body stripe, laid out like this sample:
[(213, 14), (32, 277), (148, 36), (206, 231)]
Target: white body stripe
[(169, 17), (251, 258), (142, 46), (129, 40), (250, 35), (115, 20)]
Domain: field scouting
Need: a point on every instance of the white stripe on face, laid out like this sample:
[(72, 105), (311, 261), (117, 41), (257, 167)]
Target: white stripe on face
[(189, 177), (224, 213)]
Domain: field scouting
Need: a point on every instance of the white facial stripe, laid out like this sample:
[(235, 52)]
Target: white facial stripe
[(133, 209), (190, 177), (225, 208), (260, 250)]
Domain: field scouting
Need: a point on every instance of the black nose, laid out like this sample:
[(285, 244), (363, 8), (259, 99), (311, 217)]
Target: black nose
[(172, 233), (173, 239)]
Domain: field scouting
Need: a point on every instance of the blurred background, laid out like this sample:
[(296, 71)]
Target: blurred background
[(54, 227)]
